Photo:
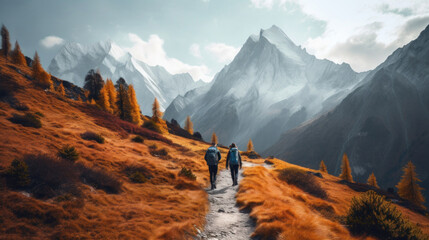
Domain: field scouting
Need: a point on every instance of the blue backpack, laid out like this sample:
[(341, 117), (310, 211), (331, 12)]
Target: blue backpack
[(233, 156), (212, 158)]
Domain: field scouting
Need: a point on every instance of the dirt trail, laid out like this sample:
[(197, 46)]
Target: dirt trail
[(225, 221)]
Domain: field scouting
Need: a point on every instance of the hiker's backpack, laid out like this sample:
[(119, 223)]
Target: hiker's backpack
[(233, 156), (212, 156)]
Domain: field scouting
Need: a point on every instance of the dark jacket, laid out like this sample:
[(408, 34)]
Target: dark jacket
[(210, 161), (239, 158)]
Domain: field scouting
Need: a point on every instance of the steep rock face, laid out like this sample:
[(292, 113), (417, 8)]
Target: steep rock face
[(381, 125), (271, 86), (74, 60)]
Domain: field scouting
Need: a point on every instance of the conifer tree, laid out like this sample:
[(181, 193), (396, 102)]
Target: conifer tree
[(372, 181), (189, 126), (5, 41), (17, 56), (322, 167), (61, 90), (39, 74), (111, 92), (214, 138), (93, 83), (156, 111), (79, 99), (92, 101), (103, 100), (250, 146), (123, 100), (346, 171), (135, 108), (408, 187)]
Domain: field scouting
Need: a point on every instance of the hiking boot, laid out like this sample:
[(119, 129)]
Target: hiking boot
[(214, 186)]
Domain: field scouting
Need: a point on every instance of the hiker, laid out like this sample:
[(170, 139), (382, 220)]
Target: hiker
[(233, 160), (212, 158)]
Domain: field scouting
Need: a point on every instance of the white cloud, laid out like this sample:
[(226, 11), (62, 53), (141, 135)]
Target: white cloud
[(51, 41), (195, 50), (152, 52), (267, 3), (222, 52)]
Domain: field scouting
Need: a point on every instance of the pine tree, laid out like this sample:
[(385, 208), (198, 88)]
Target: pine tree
[(93, 83), (103, 100), (39, 74), (61, 90), (408, 187), (189, 126), (111, 92), (372, 181), (135, 108), (322, 167), (123, 100), (5, 41), (156, 112), (17, 56), (250, 146), (214, 138), (346, 171), (79, 99)]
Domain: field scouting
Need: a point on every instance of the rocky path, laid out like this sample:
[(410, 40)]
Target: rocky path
[(225, 221)]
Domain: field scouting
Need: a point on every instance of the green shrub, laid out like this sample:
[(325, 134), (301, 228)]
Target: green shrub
[(187, 173), (303, 180), (100, 179), (152, 126), (138, 177), (161, 153), (68, 153), (39, 114), (138, 139), (17, 174), (153, 146), (27, 120), (91, 136), (371, 214)]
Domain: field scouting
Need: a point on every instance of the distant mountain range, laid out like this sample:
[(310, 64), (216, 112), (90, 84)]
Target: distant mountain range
[(271, 86), (381, 125), (74, 60)]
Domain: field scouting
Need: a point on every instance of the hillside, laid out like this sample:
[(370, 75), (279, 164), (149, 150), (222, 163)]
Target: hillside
[(166, 206)]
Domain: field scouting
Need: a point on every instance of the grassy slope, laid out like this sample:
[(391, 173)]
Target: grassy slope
[(286, 210), (155, 209)]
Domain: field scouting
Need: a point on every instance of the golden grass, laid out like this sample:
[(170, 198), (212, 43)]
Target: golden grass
[(157, 209)]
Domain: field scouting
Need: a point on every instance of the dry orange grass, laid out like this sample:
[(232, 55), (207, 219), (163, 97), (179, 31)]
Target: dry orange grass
[(284, 211), (157, 209)]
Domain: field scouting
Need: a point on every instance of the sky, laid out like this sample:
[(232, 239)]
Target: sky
[(202, 36)]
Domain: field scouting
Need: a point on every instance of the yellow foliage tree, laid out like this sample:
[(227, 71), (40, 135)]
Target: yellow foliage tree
[(322, 167), (103, 100), (92, 102), (156, 112), (214, 138), (39, 74), (408, 187), (346, 171), (111, 92), (189, 126), (17, 56), (60, 89), (372, 181), (135, 108), (250, 146)]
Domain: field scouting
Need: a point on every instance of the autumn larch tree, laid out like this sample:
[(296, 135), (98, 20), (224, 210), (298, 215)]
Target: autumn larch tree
[(250, 146), (123, 100), (346, 171), (41, 77), (103, 100), (214, 138), (111, 92), (156, 111), (135, 108), (189, 126), (408, 187), (61, 90), (5, 41), (17, 56), (372, 181), (322, 167), (93, 83)]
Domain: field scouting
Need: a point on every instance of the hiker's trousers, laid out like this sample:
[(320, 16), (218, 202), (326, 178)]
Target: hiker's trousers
[(213, 173), (234, 173)]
